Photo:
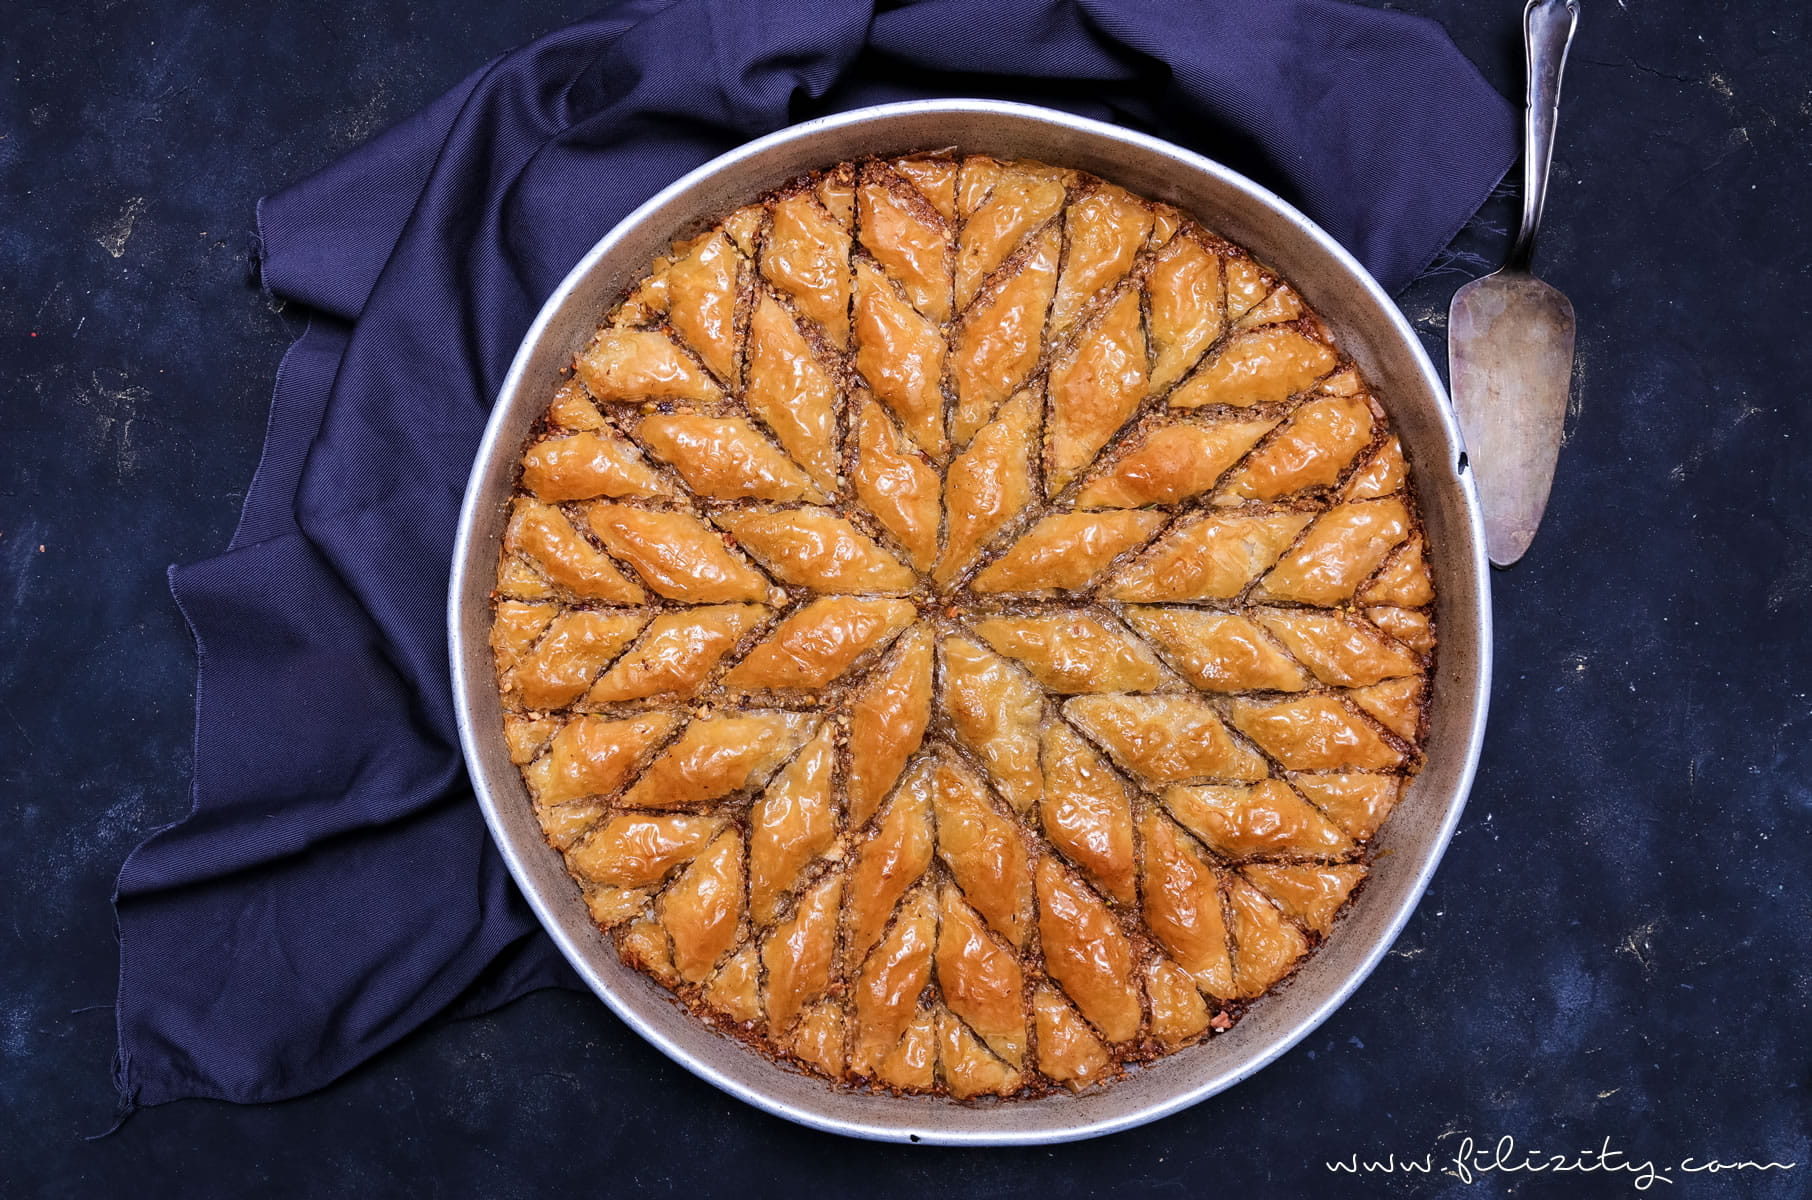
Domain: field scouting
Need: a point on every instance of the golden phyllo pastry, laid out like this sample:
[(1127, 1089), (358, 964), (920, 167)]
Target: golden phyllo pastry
[(963, 625)]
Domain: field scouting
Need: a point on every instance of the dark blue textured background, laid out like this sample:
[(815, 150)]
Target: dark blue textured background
[(1618, 944)]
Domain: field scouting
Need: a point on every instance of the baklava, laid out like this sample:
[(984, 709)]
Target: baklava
[(962, 624)]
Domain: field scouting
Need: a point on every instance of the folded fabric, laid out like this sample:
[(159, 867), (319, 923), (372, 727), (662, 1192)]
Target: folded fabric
[(334, 887)]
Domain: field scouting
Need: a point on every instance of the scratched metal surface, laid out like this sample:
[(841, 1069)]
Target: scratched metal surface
[(1617, 944)]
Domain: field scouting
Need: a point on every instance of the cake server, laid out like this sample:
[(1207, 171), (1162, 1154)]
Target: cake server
[(1510, 336)]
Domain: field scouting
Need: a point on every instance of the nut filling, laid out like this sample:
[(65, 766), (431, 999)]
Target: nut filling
[(962, 624)]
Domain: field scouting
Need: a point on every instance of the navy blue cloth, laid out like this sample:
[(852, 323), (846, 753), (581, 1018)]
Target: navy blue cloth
[(334, 887)]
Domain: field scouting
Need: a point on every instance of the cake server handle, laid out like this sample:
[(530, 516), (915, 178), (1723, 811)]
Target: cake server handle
[(1548, 27)]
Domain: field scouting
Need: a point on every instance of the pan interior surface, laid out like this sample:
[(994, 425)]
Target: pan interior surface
[(1365, 324)]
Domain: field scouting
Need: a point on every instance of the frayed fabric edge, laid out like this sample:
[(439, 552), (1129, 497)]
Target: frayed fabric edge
[(125, 1088)]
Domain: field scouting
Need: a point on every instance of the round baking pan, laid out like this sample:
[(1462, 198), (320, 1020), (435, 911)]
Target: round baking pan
[(1367, 326)]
